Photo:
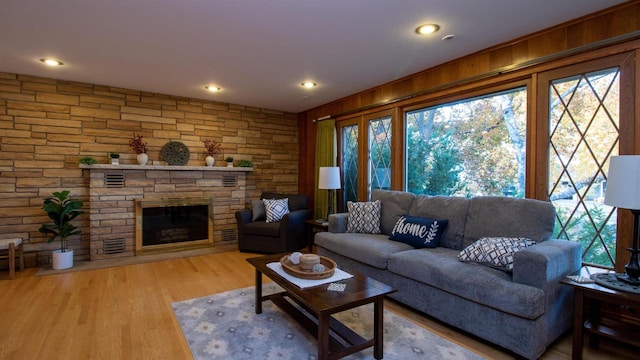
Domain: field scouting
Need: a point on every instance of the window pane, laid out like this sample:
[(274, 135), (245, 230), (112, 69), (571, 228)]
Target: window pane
[(379, 154), (468, 148), (583, 134), (350, 163)]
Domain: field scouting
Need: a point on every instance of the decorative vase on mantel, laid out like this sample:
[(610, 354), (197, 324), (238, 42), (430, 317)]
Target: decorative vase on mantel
[(209, 160), (142, 158)]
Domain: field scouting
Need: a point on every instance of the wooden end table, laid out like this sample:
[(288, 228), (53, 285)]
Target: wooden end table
[(320, 303), (314, 225), (601, 311)]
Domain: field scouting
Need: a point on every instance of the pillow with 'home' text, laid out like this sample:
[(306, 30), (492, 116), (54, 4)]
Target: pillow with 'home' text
[(418, 232)]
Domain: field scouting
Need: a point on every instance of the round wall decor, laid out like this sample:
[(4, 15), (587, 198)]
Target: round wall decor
[(175, 153)]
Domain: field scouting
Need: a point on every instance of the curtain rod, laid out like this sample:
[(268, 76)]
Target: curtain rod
[(322, 118)]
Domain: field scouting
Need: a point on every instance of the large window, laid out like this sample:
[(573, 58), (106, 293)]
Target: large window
[(583, 134), (467, 148)]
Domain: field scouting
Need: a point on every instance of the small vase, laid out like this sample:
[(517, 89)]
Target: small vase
[(142, 159), (230, 164), (115, 161), (209, 160)]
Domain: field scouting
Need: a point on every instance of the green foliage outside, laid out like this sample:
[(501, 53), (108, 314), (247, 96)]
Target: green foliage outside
[(598, 247)]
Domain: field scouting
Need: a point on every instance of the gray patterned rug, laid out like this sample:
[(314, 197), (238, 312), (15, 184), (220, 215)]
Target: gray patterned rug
[(225, 326)]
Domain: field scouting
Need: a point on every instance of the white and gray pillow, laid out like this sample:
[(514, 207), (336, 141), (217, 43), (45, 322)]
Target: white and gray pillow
[(364, 217), (276, 209)]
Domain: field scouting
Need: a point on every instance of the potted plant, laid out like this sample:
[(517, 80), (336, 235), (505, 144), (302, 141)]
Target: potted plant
[(61, 209), (229, 161), (115, 158), (245, 163), (213, 147), (140, 147), (87, 160)]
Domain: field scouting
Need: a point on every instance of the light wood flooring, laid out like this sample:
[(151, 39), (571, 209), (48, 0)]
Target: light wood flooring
[(124, 312)]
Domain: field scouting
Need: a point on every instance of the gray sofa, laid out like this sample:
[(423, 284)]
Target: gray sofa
[(523, 311)]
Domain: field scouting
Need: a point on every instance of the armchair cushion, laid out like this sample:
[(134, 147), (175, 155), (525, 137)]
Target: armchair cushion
[(276, 209), (258, 211)]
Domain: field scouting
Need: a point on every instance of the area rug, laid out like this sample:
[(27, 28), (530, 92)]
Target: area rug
[(225, 326)]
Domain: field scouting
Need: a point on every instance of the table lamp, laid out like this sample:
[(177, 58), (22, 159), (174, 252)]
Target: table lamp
[(623, 192), (329, 179)]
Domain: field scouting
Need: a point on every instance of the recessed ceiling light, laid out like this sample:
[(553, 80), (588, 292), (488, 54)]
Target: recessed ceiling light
[(52, 62), (427, 29), (309, 84), (212, 88)]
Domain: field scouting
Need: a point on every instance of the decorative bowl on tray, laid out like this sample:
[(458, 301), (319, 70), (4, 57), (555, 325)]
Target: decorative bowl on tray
[(295, 269)]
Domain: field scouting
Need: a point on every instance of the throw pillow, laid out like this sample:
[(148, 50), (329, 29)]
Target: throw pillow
[(364, 217), (258, 211), (495, 252), (418, 232), (276, 208)]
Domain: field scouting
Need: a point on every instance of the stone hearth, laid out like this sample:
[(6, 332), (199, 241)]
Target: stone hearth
[(114, 189)]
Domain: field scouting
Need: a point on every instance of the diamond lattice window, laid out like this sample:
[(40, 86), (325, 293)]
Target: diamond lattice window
[(379, 154), (583, 129), (350, 163)]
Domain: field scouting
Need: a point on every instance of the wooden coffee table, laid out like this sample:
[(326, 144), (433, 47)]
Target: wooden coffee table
[(320, 304)]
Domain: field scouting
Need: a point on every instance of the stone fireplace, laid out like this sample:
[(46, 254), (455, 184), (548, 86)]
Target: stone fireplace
[(115, 191)]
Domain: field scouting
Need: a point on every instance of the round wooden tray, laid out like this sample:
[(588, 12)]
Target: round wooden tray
[(295, 270)]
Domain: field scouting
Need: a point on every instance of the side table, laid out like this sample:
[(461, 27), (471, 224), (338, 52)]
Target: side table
[(314, 225), (601, 311)]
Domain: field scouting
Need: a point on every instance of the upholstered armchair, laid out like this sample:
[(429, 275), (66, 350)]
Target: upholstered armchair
[(289, 233)]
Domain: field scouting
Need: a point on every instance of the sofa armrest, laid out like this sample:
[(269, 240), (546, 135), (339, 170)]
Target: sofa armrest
[(546, 262), (338, 222), (243, 216)]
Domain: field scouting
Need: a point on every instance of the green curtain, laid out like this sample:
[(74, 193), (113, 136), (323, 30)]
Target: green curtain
[(325, 156)]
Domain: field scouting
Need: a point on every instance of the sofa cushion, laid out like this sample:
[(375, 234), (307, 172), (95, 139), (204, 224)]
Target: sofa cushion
[(529, 218), (393, 205), (364, 217), (441, 268), (495, 252), (453, 209), (370, 249), (418, 232)]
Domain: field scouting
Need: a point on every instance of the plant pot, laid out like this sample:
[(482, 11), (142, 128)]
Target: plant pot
[(230, 164), (209, 160), (62, 260), (115, 161), (142, 159)]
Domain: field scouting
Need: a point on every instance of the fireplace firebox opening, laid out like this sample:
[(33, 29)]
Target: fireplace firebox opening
[(173, 224)]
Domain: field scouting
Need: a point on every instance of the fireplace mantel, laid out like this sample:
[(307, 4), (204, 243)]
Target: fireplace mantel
[(166, 167)]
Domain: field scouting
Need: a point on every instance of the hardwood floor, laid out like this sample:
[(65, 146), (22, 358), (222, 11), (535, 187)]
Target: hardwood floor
[(125, 312)]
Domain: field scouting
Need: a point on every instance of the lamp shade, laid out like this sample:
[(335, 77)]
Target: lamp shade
[(329, 178), (622, 182)]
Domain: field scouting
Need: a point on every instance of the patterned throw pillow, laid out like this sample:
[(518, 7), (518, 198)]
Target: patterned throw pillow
[(495, 252), (418, 232), (364, 217), (276, 208)]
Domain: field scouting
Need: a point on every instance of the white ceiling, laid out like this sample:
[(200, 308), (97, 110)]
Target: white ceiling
[(259, 51)]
